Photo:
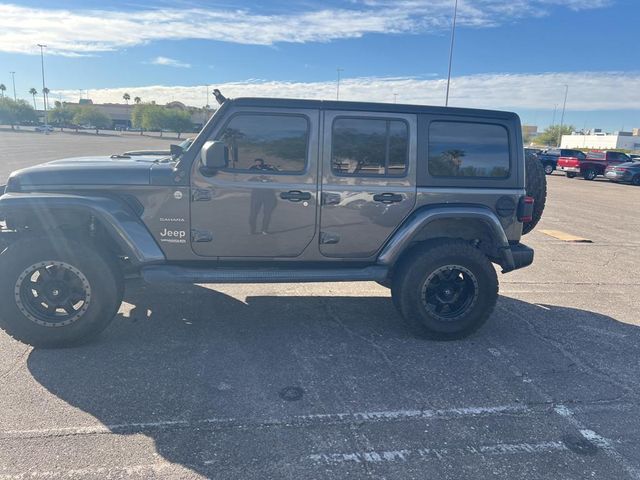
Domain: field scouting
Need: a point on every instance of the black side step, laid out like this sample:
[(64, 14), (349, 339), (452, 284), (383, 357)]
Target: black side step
[(179, 274)]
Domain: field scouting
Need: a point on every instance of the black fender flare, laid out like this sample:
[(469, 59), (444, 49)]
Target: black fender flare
[(404, 236), (120, 222)]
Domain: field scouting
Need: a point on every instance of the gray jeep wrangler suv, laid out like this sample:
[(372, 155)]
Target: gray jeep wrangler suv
[(420, 199)]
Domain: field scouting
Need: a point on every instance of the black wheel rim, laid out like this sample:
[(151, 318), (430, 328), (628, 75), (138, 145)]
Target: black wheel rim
[(52, 293), (449, 292)]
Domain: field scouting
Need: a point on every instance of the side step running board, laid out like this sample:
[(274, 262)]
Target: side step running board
[(179, 274)]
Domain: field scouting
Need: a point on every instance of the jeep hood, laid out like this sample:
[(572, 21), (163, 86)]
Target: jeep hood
[(86, 171)]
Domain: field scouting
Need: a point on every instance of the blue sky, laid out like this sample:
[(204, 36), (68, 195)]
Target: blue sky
[(509, 54)]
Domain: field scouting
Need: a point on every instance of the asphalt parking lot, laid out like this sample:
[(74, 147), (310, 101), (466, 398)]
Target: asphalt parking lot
[(322, 381)]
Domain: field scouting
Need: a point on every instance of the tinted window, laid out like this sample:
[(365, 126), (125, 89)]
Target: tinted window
[(364, 146), (274, 143), (458, 149)]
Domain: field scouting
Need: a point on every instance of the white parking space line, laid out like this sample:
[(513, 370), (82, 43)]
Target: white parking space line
[(319, 419), (604, 443), (440, 453)]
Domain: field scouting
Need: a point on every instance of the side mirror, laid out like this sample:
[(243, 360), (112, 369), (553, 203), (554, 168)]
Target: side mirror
[(214, 155), (176, 150)]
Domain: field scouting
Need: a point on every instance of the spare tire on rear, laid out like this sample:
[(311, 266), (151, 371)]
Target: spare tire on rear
[(536, 187)]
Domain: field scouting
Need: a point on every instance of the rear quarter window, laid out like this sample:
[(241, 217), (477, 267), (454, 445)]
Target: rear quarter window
[(468, 150)]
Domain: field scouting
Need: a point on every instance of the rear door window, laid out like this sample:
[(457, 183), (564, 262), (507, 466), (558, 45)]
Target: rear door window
[(466, 149), (369, 147)]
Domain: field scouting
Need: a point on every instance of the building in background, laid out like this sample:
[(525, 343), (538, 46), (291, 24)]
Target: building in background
[(598, 140), (529, 131)]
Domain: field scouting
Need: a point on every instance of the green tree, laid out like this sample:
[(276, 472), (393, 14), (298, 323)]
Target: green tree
[(33, 93), (553, 134), (137, 100), (153, 118), (178, 121), (90, 115), (61, 115), (15, 112), (3, 88), (45, 95), (126, 98), (136, 115)]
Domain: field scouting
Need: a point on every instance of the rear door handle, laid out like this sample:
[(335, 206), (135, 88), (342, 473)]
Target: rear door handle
[(295, 196), (387, 197)]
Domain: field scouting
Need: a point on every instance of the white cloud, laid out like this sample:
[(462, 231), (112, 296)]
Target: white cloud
[(81, 32), (169, 62), (587, 91)]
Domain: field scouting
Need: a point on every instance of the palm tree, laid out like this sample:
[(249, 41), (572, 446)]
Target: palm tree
[(33, 93), (45, 96), (2, 89), (137, 100), (126, 97)]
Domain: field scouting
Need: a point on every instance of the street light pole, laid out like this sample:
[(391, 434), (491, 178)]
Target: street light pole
[(338, 85), (395, 98), (13, 76), (564, 105), (453, 35), (44, 95)]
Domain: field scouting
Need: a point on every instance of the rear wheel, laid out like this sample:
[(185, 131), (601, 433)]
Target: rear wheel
[(636, 180), (57, 292), (589, 174), (570, 175), (548, 168), (445, 290)]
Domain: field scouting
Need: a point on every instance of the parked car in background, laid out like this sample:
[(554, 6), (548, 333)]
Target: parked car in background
[(628, 172), (635, 157), (592, 164), (549, 158), (44, 128)]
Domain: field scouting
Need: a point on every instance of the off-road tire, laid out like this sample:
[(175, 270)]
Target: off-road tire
[(589, 174), (410, 284), (101, 276), (570, 175), (536, 187)]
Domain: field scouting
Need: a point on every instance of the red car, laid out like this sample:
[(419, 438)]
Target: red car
[(593, 164)]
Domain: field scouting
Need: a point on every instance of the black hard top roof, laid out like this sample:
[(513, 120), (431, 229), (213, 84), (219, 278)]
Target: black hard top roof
[(366, 107)]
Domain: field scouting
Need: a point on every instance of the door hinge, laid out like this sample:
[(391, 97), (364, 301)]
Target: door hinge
[(330, 198), (201, 195), (201, 235), (329, 238)]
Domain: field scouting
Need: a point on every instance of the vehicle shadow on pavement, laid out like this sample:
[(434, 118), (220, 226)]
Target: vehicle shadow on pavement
[(220, 384)]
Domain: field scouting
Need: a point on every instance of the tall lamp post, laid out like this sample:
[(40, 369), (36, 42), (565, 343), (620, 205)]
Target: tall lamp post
[(13, 77), (44, 101), (338, 85), (453, 36), (564, 105)]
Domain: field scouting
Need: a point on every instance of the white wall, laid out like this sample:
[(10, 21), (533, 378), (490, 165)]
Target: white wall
[(600, 142)]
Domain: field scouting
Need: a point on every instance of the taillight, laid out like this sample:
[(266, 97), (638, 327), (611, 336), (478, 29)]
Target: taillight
[(620, 169), (525, 209)]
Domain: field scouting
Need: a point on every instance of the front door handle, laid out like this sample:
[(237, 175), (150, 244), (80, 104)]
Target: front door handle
[(387, 197), (295, 196)]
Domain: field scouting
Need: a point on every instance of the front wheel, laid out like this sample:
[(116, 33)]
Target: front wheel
[(548, 169), (445, 290), (57, 292)]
